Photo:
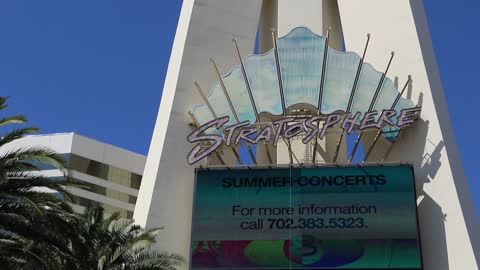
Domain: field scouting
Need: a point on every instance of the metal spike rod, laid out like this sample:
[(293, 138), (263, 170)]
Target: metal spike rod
[(320, 94), (324, 72), (205, 99), (224, 89), (245, 79), (230, 104), (202, 94), (279, 74), (288, 143), (250, 94), (372, 104), (282, 93), (377, 136), (357, 76), (352, 98)]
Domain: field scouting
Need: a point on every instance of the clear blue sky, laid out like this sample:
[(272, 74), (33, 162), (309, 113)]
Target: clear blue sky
[(97, 67)]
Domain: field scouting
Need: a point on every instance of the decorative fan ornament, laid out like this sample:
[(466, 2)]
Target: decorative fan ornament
[(302, 77)]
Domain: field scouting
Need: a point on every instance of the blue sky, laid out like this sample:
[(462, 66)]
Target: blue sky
[(97, 67)]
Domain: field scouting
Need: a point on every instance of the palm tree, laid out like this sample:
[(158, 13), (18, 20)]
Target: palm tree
[(116, 244), (38, 228), (29, 201)]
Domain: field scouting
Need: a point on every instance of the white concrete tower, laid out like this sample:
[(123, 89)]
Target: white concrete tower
[(205, 29), (448, 221)]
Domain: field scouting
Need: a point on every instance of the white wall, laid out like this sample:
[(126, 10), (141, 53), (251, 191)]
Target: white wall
[(447, 216), (205, 30), (108, 154), (58, 142), (448, 222)]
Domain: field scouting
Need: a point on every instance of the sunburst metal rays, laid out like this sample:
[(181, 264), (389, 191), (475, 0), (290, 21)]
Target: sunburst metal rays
[(300, 74)]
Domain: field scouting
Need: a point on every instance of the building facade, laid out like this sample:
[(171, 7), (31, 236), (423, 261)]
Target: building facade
[(111, 175)]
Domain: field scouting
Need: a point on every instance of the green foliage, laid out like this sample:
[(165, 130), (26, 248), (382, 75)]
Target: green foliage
[(39, 229), (30, 203), (114, 243)]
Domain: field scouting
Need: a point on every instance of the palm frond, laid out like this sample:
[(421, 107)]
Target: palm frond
[(16, 134), (24, 204), (14, 119), (27, 158), (156, 261), (127, 251), (37, 227), (3, 101), (24, 182)]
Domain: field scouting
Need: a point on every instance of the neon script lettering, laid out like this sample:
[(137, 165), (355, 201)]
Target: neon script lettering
[(290, 127)]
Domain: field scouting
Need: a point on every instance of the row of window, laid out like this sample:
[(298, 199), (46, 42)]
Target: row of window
[(104, 171), (108, 208), (97, 169)]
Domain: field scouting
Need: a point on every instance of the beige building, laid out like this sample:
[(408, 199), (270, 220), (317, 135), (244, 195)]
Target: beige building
[(112, 175)]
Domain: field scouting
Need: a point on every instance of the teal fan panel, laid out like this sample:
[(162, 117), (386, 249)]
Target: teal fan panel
[(387, 96), (339, 79), (367, 84), (219, 103), (237, 90), (262, 75), (301, 59), (202, 114), (301, 56)]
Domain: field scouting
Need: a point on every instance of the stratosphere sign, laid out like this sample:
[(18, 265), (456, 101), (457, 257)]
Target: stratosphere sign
[(289, 127)]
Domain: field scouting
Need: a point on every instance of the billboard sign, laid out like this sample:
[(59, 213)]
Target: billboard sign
[(361, 217), (299, 87)]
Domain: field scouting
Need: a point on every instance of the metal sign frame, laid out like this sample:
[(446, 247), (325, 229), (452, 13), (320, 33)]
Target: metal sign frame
[(291, 127), (316, 165)]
